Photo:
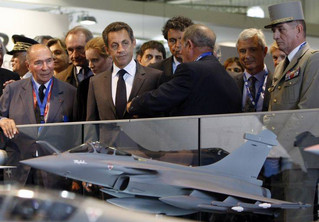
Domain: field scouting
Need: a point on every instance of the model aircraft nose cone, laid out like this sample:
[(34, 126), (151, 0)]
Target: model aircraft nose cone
[(42, 163)]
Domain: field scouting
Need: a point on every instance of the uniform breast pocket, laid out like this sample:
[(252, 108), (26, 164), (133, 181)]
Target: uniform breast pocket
[(291, 90)]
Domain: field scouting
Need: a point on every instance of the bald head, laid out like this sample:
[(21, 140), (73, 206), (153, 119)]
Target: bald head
[(201, 36), (196, 40), (40, 63)]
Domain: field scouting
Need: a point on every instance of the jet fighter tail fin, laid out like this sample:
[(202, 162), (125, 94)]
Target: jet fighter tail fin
[(247, 160)]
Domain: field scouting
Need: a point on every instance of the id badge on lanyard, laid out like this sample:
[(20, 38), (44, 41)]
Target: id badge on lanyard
[(44, 105)]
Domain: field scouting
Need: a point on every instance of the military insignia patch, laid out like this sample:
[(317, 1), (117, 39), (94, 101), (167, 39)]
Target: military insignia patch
[(292, 74)]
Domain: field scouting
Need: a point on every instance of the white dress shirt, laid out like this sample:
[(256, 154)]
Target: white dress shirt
[(128, 78)]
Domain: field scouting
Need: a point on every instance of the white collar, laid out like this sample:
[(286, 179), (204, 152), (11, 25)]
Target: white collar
[(294, 52), (130, 68), (259, 76), (38, 84), (175, 61)]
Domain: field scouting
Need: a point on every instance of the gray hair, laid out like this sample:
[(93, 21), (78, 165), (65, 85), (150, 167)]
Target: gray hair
[(250, 33), (200, 35)]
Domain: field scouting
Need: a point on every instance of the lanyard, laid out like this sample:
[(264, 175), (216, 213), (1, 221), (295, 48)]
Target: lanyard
[(204, 55), (300, 47), (261, 90), (44, 105)]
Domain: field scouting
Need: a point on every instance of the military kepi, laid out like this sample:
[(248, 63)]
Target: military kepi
[(21, 44), (285, 12)]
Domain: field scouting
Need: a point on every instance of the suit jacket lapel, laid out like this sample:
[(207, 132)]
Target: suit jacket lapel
[(26, 97), (107, 81), (56, 102), (281, 72), (239, 81), (168, 67), (138, 81)]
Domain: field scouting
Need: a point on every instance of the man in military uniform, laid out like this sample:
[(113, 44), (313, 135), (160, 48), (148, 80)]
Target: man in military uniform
[(19, 52), (295, 84)]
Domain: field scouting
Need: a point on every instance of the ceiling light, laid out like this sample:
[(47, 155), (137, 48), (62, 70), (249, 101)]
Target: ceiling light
[(87, 20), (255, 11)]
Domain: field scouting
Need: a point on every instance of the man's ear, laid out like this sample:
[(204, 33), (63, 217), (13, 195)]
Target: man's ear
[(190, 44), (299, 28), (106, 49), (134, 42), (27, 64)]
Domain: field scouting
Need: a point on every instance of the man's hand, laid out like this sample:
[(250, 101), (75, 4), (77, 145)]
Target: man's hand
[(9, 127), (128, 106), (8, 82)]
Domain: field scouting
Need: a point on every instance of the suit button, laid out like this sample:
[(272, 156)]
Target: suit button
[(279, 87), (275, 100)]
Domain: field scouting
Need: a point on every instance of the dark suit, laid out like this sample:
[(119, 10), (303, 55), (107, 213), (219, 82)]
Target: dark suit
[(197, 88), (239, 79), (81, 100), (17, 103), (100, 104), (166, 66), (70, 75), (6, 75)]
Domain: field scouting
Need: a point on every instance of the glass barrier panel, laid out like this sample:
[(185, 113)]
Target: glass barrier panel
[(172, 140), (289, 172)]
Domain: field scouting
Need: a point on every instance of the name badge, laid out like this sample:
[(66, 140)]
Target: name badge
[(292, 74)]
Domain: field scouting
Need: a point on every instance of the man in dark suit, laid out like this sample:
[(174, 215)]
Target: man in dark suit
[(110, 91), (256, 79), (39, 99), (6, 75), (172, 32), (200, 85), (75, 41)]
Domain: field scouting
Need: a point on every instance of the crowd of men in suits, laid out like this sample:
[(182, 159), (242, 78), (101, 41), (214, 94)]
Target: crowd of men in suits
[(190, 82), (60, 81), (153, 85)]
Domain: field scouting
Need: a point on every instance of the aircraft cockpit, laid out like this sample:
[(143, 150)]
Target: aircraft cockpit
[(97, 147)]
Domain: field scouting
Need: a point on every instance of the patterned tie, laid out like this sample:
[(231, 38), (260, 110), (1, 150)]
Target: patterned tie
[(120, 99), (41, 92), (249, 106)]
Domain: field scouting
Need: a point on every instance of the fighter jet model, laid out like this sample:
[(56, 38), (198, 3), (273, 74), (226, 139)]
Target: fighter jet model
[(229, 185)]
